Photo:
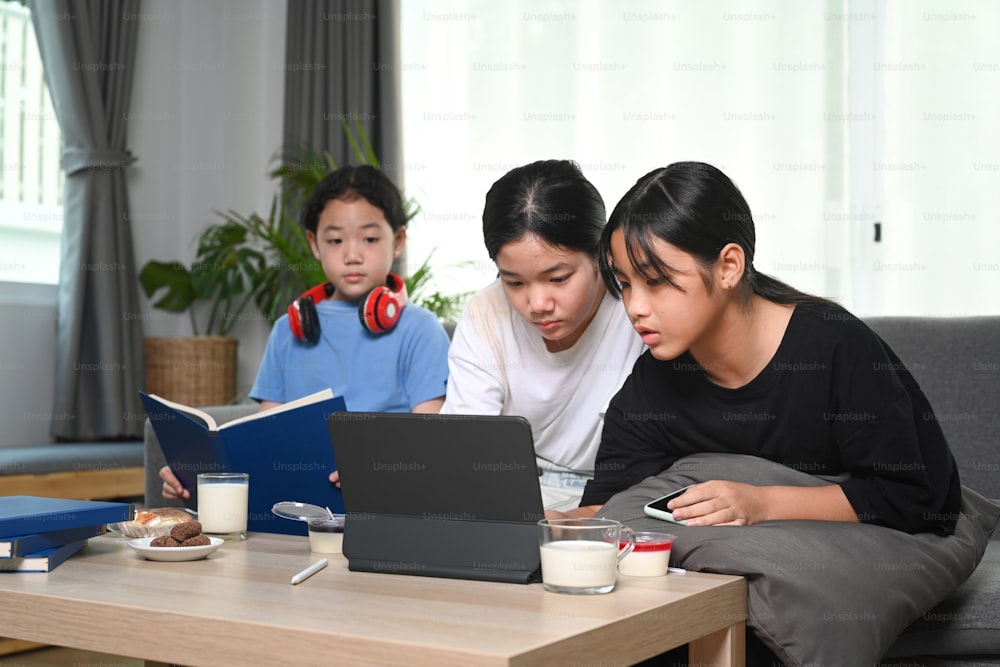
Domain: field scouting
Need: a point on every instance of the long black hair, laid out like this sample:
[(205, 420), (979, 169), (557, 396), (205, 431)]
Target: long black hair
[(694, 207), (550, 199)]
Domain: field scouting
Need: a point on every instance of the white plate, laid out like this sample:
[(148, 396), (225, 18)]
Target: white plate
[(173, 554)]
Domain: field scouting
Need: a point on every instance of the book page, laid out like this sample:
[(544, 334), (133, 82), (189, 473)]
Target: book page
[(284, 407), (180, 407)]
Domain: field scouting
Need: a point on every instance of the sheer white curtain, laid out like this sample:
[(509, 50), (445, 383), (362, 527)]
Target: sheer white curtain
[(928, 168), (771, 92)]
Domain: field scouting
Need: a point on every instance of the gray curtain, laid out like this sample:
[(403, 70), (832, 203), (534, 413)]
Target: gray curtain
[(343, 63), (88, 50)]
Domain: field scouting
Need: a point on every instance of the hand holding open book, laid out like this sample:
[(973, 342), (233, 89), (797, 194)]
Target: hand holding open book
[(286, 450)]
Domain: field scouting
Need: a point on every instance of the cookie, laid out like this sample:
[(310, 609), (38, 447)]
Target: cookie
[(183, 531), (164, 541), (196, 541)]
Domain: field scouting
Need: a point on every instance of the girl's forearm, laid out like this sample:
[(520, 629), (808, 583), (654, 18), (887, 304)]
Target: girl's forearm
[(811, 503)]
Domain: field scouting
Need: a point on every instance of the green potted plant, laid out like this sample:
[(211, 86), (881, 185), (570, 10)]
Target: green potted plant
[(214, 291)]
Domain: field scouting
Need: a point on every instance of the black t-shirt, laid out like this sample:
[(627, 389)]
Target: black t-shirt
[(834, 399)]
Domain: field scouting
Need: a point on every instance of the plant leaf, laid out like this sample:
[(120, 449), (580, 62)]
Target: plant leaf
[(172, 277)]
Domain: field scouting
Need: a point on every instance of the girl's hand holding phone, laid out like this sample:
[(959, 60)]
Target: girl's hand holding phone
[(713, 503)]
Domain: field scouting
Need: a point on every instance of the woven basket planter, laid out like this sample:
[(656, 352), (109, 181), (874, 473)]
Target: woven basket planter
[(193, 370)]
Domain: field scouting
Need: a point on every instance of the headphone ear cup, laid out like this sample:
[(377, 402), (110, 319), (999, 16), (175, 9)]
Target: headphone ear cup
[(308, 320), (380, 310), (294, 322), (302, 316)]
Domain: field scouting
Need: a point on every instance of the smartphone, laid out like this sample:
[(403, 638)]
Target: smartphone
[(658, 508)]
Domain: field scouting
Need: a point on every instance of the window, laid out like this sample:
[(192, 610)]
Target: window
[(831, 117), (31, 182)]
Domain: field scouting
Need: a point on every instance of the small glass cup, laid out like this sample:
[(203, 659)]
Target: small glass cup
[(580, 556), (650, 557), (223, 499), (326, 535)]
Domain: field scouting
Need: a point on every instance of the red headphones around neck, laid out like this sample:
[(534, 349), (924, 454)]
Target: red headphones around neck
[(379, 311)]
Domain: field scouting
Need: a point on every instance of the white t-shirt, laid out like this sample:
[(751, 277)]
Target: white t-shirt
[(498, 365)]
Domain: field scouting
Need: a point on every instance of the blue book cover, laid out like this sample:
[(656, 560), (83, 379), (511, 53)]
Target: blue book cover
[(14, 547), (25, 515), (42, 561), (286, 451)]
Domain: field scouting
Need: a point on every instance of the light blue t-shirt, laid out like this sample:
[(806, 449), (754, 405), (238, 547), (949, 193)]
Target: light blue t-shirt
[(389, 372)]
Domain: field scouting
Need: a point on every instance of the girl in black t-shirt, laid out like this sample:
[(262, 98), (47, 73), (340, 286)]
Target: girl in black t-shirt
[(740, 362)]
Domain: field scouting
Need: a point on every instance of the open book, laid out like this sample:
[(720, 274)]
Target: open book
[(286, 450), (211, 424)]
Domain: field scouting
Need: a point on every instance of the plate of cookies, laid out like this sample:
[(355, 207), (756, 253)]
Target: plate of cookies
[(185, 542)]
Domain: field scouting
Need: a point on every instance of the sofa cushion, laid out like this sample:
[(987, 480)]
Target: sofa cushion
[(76, 456), (956, 361), (967, 623), (942, 661)]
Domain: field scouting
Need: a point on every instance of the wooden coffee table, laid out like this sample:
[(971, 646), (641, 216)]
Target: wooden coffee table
[(237, 607)]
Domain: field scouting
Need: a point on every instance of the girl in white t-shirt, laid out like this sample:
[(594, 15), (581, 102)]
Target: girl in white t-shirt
[(546, 341)]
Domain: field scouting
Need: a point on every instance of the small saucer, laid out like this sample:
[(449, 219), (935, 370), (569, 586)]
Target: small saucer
[(173, 554)]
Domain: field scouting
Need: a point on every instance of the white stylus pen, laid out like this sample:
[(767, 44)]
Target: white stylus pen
[(309, 571)]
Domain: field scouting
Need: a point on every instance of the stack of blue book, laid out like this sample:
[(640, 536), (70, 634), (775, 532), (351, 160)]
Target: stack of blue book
[(37, 534)]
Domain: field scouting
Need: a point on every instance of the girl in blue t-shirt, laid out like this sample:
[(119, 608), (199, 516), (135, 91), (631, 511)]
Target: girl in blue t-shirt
[(354, 334)]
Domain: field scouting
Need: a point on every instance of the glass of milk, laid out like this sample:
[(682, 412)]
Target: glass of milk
[(222, 504), (580, 556)]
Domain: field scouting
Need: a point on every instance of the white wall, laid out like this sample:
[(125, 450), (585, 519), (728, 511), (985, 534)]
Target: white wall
[(204, 121)]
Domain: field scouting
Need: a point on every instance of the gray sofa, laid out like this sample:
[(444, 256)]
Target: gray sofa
[(957, 363)]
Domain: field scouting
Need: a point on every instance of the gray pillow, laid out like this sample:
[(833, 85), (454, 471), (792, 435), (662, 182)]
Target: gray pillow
[(818, 592)]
